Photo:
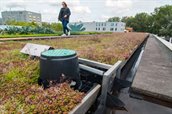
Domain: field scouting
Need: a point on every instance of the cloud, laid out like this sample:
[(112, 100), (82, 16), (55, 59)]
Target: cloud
[(118, 7), (14, 4), (105, 17), (121, 4), (81, 9), (74, 5)]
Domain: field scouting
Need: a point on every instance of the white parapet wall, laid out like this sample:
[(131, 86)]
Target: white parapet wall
[(170, 40), (102, 26), (166, 43)]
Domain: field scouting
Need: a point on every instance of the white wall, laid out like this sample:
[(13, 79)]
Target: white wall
[(104, 26)]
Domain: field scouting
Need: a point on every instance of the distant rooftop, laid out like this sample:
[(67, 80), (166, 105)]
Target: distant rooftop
[(20, 11)]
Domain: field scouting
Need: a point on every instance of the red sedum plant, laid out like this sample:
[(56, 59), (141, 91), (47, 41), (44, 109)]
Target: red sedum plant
[(59, 99)]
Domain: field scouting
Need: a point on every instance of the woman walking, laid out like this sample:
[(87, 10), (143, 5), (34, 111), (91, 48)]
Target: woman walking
[(64, 16)]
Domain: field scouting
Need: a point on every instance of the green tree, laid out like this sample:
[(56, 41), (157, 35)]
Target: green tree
[(162, 20), (142, 22), (16, 23), (45, 24), (56, 26), (114, 19), (128, 20)]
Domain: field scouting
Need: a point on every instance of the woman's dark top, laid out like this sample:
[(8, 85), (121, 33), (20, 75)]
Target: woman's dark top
[(63, 12)]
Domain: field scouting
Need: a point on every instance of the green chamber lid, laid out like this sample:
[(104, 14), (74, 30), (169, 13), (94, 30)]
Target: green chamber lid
[(59, 53)]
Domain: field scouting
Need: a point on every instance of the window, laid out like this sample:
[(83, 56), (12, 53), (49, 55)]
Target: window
[(102, 24), (99, 29), (112, 24), (96, 28), (29, 13), (99, 24), (105, 24), (30, 18), (116, 24), (104, 29), (115, 29), (111, 29)]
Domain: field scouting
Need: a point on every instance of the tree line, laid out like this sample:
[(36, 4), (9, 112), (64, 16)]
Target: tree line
[(158, 22)]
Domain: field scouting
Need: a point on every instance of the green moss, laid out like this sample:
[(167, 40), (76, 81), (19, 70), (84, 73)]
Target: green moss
[(28, 72), (16, 74), (35, 70), (13, 74)]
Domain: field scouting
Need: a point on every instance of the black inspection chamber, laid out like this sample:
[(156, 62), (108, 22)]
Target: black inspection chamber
[(58, 64)]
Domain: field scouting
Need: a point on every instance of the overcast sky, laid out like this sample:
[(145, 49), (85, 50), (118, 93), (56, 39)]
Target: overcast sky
[(84, 10)]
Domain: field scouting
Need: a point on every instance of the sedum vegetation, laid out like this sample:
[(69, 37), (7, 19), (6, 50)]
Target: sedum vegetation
[(19, 92)]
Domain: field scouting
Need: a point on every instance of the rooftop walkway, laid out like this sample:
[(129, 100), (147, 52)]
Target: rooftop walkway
[(154, 75)]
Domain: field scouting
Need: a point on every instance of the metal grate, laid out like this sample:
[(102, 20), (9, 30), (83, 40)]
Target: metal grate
[(59, 53), (86, 86)]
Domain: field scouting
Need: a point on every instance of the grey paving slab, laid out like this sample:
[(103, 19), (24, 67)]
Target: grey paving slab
[(154, 75)]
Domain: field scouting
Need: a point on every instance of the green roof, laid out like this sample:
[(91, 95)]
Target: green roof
[(59, 53)]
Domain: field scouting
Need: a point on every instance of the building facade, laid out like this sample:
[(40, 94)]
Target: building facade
[(1, 21), (101, 26), (24, 16)]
